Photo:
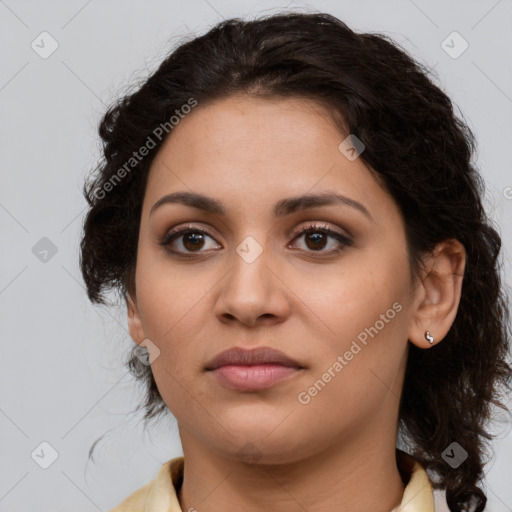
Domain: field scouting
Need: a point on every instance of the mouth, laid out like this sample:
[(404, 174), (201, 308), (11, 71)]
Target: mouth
[(252, 370)]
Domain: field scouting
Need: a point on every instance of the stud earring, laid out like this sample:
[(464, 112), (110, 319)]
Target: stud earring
[(429, 337)]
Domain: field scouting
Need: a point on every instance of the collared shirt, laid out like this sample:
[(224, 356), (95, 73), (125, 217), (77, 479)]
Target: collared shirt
[(161, 494)]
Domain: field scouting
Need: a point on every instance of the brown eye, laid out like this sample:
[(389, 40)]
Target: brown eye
[(316, 238), (191, 240), (316, 241)]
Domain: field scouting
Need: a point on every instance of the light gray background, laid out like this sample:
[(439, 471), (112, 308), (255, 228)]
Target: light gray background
[(62, 375)]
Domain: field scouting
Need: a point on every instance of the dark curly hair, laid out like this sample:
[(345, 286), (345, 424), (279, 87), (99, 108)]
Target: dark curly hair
[(422, 155)]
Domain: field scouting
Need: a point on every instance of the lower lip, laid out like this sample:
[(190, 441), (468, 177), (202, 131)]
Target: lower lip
[(254, 377)]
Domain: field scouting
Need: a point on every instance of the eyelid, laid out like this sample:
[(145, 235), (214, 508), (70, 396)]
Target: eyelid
[(321, 226)]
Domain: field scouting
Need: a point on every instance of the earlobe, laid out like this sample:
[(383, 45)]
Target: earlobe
[(134, 321), (439, 294)]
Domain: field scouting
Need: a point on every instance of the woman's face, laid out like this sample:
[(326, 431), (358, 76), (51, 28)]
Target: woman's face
[(338, 304)]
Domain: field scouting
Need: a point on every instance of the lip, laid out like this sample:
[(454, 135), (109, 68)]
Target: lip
[(252, 370), (249, 357)]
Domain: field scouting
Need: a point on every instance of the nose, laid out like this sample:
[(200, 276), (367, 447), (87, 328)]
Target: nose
[(253, 292)]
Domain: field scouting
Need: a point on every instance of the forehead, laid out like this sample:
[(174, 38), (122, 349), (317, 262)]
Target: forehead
[(248, 149), (256, 128)]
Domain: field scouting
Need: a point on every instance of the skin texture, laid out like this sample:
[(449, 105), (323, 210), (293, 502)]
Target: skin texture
[(337, 452)]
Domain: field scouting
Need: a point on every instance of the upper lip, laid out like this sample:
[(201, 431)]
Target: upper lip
[(258, 355)]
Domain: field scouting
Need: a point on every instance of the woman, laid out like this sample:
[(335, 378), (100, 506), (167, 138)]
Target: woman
[(291, 213)]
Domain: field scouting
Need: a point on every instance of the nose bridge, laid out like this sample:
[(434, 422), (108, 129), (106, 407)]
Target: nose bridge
[(250, 261), (250, 288)]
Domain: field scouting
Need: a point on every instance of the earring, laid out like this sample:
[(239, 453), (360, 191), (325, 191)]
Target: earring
[(429, 337)]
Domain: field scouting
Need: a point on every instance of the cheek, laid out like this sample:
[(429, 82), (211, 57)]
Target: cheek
[(172, 306), (357, 378), (364, 307), (359, 292), (168, 294)]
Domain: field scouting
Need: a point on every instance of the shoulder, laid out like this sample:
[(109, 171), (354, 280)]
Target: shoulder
[(136, 502), (159, 495)]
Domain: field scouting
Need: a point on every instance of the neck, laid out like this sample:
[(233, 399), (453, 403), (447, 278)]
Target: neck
[(358, 475)]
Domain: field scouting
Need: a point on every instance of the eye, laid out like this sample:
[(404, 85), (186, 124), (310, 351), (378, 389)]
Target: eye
[(192, 239), (316, 238)]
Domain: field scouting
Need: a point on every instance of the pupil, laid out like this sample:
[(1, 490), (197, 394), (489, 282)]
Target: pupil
[(194, 239), (317, 238)]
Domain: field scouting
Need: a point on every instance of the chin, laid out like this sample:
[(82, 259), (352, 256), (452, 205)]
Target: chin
[(255, 446)]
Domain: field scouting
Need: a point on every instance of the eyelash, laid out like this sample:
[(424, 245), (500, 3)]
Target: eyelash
[(310, 228)]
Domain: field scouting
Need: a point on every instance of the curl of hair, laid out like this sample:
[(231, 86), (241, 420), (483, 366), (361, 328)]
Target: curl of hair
[(419, 151)]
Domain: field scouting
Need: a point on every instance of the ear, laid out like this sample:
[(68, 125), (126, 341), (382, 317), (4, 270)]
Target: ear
[(438, 293), (134, 321)]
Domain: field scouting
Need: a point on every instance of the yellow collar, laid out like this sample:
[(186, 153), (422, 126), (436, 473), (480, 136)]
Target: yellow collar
[(418, 494), (160, 494)]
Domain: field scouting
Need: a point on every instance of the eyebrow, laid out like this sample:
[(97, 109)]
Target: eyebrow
[(280, 209)]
